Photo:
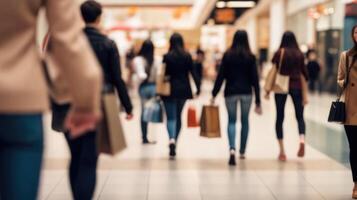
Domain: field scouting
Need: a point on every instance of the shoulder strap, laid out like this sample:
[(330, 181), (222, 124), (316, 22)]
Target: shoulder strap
[(281, 60)]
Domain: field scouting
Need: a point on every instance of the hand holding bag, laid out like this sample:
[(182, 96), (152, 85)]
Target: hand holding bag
[(338, 108)]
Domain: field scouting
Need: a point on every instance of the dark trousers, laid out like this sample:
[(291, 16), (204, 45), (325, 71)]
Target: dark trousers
[(351, 132), (173, 108), (21, 147), (83, 166), (280, 100)]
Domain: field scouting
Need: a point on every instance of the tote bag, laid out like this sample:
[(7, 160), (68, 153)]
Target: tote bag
[(210, 123), (281, 85), (110, 136)]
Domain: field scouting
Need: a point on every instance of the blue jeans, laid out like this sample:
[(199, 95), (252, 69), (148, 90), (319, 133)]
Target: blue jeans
[(173, 108), (21, 148), (146, 91), (231, 104)]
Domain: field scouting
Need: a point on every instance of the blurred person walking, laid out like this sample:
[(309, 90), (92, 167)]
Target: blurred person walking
[(347, 80), (313, 68), (291, 59), (145, 67), (239, 69), (84, 154), (178, 64), (23, 88), (198, 64)]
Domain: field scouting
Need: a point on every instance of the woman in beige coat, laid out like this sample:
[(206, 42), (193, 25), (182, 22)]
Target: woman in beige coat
[(349, 59), (23, 88)]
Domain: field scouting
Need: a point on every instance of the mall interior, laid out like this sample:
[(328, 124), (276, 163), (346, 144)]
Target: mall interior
[(200, 170)]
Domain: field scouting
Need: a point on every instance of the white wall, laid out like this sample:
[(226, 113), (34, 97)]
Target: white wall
[(251, 29), (277, 24)]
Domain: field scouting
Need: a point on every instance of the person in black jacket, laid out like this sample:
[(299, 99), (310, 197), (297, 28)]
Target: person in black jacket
[(239, 69), (178, 66), (84, 156)]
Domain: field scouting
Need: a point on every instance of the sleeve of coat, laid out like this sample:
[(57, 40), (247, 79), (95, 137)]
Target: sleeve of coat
[(73, 55), (117, 79), (341, 70)]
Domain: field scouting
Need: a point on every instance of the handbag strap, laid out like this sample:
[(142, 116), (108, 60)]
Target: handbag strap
[(348, 70), (281, 60)]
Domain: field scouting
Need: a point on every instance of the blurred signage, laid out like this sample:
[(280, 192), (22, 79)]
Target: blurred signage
[(351, 10), (225, 16)]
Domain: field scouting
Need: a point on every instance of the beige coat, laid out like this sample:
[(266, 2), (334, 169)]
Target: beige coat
[(350, 93), (23, 88)]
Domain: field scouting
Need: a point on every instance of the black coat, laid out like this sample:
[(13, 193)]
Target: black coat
[(108, 56), (241, 75), (178, 67)]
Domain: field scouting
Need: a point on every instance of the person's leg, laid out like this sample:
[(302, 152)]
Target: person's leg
[(85, 179), (351, 132), (170, 108), (299, 114), (74, 147), (143, 123), (179, 107), (21, 148), (246, 102), (280, 100), (231, 105)]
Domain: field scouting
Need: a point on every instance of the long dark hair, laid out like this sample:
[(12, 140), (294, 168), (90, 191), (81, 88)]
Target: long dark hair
[(147, 52), (240, 44), (289, 41), (176, 43)]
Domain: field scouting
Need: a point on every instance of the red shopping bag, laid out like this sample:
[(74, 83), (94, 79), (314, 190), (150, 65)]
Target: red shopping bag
[(192, 121)]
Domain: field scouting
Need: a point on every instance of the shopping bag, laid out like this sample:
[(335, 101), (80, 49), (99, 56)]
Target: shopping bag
[(210, 124), (192, 121), (281, 84), (270, 79), (110, 137), (153, 111), (163, 86)]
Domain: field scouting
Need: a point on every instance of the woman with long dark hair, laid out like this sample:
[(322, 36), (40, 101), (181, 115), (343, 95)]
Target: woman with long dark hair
[(178, 64), (292, 65), (239, 69), (347, 79), (145, 67)]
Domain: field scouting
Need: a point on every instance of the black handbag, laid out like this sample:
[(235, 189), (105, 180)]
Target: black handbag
[(338, 108)]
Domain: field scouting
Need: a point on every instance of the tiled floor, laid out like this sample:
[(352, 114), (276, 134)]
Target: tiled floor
[(201, 171)]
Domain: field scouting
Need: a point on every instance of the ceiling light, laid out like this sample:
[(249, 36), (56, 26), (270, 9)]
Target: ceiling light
[(221, 4), (240, 4)]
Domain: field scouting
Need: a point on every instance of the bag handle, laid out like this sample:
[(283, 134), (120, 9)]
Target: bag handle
[(348, 70), (281, 60)]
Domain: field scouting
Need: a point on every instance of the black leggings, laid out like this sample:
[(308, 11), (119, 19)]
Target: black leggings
[(351, 132), (280, 100), (83, 166)]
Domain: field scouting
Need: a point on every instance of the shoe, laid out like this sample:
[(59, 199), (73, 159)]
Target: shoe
[(282, 157), (242, 157), (354, 194), (232, 160), (301, 152), (147, 142), (172, 150)]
